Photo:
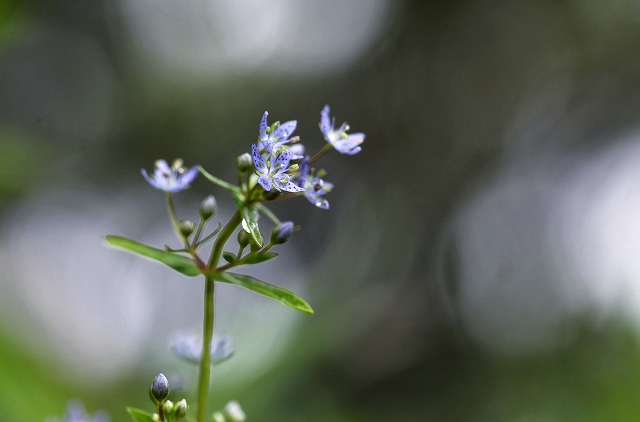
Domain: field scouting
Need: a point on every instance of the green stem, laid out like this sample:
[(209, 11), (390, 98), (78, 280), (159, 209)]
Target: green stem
[(328, 147), (207, 336), (175, 222), (207, 328), (160, 412), (196, 237), (266, 211), (224, 235), (185, 240)]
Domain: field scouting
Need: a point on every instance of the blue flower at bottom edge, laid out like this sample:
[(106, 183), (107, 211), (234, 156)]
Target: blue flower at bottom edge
[(341, 141), (276, 175), (171, 179), (314, 187), (77, 413)]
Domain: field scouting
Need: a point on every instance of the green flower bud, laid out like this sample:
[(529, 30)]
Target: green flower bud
[(243, 238), (234, 412), (282, 232), (208, 207), (167, 408), (217, 417), (186, 227), (244, 162), (160, 388), (180, 409)]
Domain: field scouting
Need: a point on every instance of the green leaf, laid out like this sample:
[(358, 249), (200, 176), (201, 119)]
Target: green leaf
[(180, 263), (283, 296), (139, 415), (229, 257), (254, 258), (250, 218)]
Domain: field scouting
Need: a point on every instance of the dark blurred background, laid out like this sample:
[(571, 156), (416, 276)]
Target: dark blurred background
[(481, 258)]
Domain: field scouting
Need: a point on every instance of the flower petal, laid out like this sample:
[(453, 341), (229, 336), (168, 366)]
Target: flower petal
[(349, 146), (321, 203), (162, 166), (282, 162), (265, 182), (258, 161), (356, 138), (325, 121), (327, 186), (297, 150), (285, 130), (267, 144), (263, 126), (291, 187), (187, 178), (151, 181)]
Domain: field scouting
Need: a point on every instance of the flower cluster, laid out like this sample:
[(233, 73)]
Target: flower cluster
[(272, 155)]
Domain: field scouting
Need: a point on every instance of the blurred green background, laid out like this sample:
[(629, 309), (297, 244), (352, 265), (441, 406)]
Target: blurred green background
[(481, 258)]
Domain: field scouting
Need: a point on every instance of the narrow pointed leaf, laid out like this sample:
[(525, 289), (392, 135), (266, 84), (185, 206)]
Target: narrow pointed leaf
[(258, 258), (139, 415), (283, 296), (182, 264)]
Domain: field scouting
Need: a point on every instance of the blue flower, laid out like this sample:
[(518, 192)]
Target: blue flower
[(77, 413), (189, 347), (273, 138), (341, 141), (171, 179), (275, 175), (314, 187)]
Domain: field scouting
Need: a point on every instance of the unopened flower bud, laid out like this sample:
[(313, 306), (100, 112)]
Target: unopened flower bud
[(208, 207), (282, 232), (160, 388), (234, 412), (167, 408), (217, 417), (243, 238), (186, 227), (180, 409), (244, 162)]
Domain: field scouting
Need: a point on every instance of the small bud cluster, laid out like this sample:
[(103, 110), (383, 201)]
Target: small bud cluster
[(167, 410)]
